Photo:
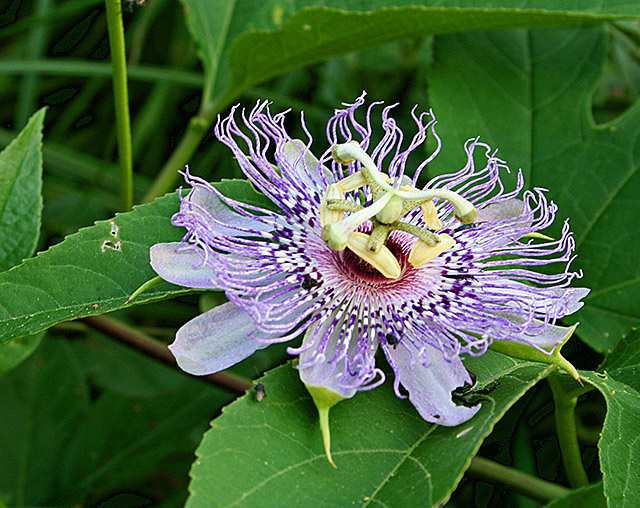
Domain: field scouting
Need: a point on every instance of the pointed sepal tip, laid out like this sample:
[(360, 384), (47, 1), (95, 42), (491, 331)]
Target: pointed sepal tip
[(325, 399)]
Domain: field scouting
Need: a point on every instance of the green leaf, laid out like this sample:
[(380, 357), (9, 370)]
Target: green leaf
[(95, 270), (270, 453), (61, 448), (528, 93), (123, 440), (21, 193), (42, 403), (267, 38), (587, 497), (624, 361), (15, 352), (619, 445)]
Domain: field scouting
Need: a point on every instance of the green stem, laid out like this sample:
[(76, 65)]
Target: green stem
[(565, 402), (168, 176), (149, 346), (121, 100), (523, 483)]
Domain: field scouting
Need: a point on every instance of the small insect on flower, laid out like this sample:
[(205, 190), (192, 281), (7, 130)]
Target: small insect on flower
[(357, 259)]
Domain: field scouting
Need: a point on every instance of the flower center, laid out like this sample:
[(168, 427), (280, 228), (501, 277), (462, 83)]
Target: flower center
[(388, 207), (359, 269)]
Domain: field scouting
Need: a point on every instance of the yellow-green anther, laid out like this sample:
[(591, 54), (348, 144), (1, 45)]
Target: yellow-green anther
[(384, 261), (337, 234), (352, 182), (422, 253)]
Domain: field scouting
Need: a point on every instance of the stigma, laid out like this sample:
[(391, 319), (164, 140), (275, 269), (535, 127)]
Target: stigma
[(386, 211)]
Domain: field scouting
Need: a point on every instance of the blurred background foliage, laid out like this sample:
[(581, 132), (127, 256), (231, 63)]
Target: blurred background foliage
[(93, 423)]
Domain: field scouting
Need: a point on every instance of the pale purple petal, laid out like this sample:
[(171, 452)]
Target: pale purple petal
[(538, 333), (506, 209), (315, 368), (430, 387), (221, 219), (305, 163), (179, 264), (215, 340)]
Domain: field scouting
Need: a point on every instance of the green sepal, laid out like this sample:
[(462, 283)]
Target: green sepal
[(325, 399), (151, 283), (526, 352)]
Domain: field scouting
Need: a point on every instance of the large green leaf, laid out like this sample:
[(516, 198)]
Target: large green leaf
[(270, 454), (623, 362), (21, 193), (97, 269), (587, 497), (42, 401), (20, 216), (267, 38), (60, 448), (528, 93), (15, 352), (619, 445)]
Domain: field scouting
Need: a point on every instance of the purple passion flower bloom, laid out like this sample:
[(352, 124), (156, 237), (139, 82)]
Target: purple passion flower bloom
[(357, 259)]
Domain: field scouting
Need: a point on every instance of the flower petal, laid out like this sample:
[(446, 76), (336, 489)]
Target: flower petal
[(507, 209), (293, 154), (221, 214), (430, 387), (215, 340), (546, 339), (177, 263), (315, 369)]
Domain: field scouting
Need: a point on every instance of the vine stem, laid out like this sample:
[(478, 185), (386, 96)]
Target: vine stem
[(149, 346), (518, 481), (198, 127), (168, 176), (121, 101), (565, 399)]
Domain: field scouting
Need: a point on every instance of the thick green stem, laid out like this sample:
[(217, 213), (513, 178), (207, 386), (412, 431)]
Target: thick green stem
[(523, 483), (565, 402), (121, 101)]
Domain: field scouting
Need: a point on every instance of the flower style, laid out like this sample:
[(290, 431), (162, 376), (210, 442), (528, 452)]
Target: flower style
[(357, 259)]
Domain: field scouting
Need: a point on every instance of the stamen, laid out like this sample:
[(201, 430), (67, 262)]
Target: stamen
[(328, 216), (422, 253), (429, 212), (388, 207), (384, 261), (351, 151), (337, 234)]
